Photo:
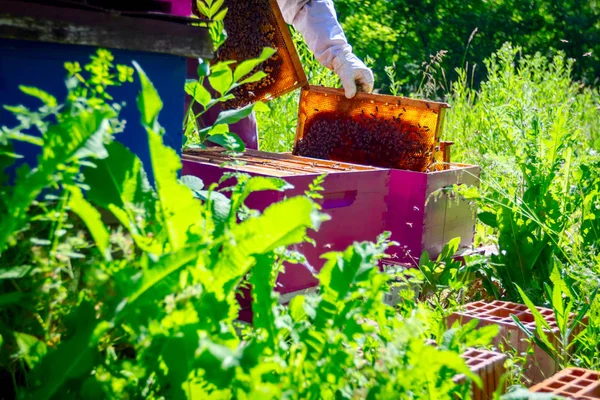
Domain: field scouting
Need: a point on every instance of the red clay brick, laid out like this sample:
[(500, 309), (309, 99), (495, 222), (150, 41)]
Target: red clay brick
[(540, 365), (489, 366), (572, 383)]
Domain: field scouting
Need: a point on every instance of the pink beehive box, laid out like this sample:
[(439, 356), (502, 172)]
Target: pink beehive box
[(354, 196), (423, 216), (180, 8)]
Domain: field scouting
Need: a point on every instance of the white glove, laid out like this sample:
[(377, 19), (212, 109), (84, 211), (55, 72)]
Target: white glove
[(353, 73), (317, 22)]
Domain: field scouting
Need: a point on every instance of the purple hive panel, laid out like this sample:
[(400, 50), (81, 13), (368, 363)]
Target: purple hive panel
[(180, 8), (406, 211), (355, 201)]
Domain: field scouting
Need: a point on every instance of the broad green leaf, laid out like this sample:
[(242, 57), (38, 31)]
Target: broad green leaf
[(221, 78), (342, 270), (74, 358), (118, 180), (31, 349), (198, 92), (192, 182), (178, 210), (92, 219), (281, 224), (245, 67), (216, 129), (149, 102), (232, 116), (220, 207)]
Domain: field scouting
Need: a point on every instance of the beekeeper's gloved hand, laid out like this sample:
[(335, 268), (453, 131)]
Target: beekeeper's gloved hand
[(317, 22), (353, 73)]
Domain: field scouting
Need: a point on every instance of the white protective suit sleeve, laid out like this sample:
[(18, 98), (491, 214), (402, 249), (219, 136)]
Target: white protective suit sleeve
[(316, 20)]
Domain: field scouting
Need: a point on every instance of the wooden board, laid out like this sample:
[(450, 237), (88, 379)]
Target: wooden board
[(142, 32)]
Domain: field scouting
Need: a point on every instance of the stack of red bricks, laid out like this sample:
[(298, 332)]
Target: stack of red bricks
[(539, 364)]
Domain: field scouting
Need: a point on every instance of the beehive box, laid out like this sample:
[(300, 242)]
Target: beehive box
[(539, 364), (354, 196), (489, 366), (401, 134), (251, 26), (572, 383)]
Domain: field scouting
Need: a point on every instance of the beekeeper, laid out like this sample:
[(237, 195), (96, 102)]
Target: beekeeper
[(316, 20)]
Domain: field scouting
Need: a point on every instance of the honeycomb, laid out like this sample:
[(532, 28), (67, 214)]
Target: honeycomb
[(252, 25), (378, 130)]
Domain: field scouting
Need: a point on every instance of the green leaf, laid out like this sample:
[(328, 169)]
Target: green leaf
[(31, 349), (220, 207), (540, 325), (221, 78), (179, 211), (12, 298), (92, 219), (45, 97), (260, 106), (143, 283), (149, 102), (218, 363), (488, 218), (255, 77), (203, 68), (263, 296), (281, 224), (14, 272), (198, 92), (230, 141), (120, 185), (74, 358), (342, 270), (192, 182), (232, 116), (245, 67)]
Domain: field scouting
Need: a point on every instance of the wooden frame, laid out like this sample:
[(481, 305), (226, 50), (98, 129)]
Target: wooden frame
[(137, 31)]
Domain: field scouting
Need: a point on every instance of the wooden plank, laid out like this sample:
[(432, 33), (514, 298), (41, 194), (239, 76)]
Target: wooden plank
[(151, 33), (383, 98)]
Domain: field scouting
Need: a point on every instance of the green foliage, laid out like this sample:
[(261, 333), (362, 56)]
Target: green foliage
[(405, 33), (223, 79), (527, 128), (112, 288)]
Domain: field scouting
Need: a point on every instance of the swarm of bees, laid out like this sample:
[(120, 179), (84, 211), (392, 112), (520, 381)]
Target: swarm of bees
[(366, 139)]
